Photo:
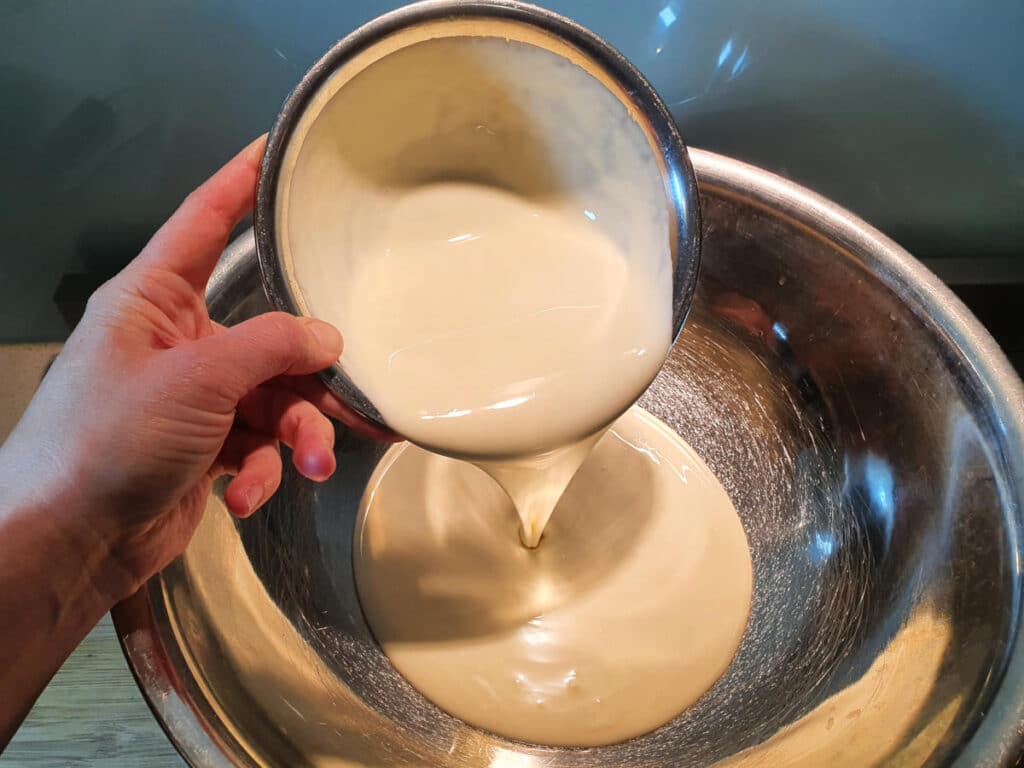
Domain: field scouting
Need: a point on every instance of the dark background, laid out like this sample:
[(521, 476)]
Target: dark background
[(911, 114)]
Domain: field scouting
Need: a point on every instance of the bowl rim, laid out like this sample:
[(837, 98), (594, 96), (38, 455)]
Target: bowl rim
[(997, 738), (680, 181)]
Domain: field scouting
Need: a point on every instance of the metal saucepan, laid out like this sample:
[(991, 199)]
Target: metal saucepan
[(475, 90)]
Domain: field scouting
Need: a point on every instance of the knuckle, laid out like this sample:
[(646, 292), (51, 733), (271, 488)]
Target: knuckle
[(286, 331), (205, 380), (217, 220), (289, 414), (105, 311), (309, 418), (101, 299), (194, 198)]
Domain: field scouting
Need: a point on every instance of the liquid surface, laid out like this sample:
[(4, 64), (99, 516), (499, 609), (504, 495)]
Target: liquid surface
[(631, 609), (487, 324), (487, 224)]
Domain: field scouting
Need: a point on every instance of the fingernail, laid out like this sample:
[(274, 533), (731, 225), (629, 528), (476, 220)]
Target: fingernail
[(326, 335), (317, 466), (253, 498)]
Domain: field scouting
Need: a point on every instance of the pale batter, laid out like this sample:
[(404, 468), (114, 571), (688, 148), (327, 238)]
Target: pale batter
[(631, 609), (487, 324), (488, 226)]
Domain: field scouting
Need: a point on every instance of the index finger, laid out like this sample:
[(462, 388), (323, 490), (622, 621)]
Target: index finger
[(311, 389), (192, 240)]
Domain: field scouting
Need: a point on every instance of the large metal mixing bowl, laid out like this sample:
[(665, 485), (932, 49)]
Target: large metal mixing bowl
[(866, 427)]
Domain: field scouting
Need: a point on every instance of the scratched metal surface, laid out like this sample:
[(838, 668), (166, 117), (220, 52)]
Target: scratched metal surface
[(870, 435)]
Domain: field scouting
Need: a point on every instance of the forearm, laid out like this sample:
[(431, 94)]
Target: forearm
[(54, 587), (106, 477)]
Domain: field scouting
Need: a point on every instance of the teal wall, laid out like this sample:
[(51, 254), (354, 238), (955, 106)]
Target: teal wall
[(910, 113)]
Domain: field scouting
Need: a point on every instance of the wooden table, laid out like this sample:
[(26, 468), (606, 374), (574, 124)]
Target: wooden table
[(92, 714)]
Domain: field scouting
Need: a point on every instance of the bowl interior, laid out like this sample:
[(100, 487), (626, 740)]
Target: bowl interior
[(521, 102), (869, 463)]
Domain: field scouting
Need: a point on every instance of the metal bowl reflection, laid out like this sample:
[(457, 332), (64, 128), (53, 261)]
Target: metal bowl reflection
[(869, 432)]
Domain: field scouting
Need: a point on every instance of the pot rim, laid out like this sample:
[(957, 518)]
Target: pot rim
[(680, 181)]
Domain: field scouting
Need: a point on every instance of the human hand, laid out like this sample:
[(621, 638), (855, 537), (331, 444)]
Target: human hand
[(150, 401)]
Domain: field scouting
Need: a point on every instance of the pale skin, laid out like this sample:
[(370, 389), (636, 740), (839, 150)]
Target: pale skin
[(105, 478)]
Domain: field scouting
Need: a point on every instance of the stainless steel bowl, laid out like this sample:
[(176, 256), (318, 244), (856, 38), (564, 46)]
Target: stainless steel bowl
[(868, 430)]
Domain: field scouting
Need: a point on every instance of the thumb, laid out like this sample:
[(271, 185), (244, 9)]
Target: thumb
[(236, 360)]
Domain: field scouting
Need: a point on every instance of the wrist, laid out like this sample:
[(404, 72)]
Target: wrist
[(44, 496), (49, 539), (56, 582)]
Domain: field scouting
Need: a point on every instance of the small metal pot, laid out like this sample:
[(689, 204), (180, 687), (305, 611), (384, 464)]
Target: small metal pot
[(519, 28)]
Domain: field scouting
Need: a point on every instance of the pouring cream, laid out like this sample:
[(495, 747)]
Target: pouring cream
[(498, 258), (491, 226)]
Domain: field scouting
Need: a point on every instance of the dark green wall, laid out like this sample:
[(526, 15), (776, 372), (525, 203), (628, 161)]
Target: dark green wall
[(910, 113)]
